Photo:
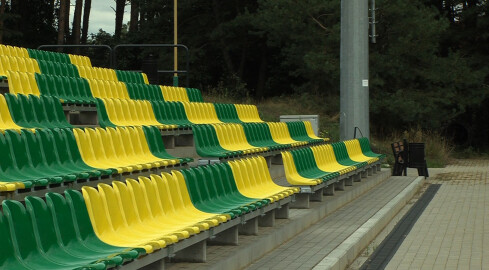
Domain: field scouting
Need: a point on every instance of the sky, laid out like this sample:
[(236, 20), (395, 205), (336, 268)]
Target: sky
[(102, 15)]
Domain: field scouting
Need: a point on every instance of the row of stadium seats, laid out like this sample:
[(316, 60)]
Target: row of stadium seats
[(45, 55), (161, 92), (317, 164), (77, 60), (52, 156), (33, 65), (84, 91), (115, 224), (17, 112), (118, 112), (230, 140)]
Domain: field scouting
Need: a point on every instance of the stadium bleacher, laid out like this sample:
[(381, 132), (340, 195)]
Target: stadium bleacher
[(112, 194)]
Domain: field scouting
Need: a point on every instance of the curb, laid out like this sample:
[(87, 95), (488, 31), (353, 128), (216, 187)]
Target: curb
[(349, 249)]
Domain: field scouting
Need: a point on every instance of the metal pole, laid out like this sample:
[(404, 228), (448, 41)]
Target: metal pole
[(354, 91), (175, 42), (373, 22)]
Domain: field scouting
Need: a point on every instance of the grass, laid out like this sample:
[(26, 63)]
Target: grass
[(438, 150)]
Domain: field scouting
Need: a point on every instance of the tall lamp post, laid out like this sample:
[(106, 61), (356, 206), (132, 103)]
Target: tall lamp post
[(175, 42), (354, 78)]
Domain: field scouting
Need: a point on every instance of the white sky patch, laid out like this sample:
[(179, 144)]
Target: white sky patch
[(102, 16)]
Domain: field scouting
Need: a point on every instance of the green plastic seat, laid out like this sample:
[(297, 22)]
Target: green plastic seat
[(36, 112), (194, 95), (341, 155), (37, 254), (68, 89), (10, 171), (307, 167), (258, 134), (57, 68), (69, 155), (55, 234), (227, 113), (207, 144), (8, 258), (170, 113), (129, 76), (42, 158), (24, 163), (213, 189), (54, 111), (156, 145), (366, 150), (298, 132)]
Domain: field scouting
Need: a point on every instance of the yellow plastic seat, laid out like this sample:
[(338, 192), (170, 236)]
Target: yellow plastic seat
[(108, 89), (22, 83), (4, 65), (14, 63), (128, 112), (355, 152), (150, 213), (291, 174), (326, 160), (84, 72), (98, 150), (232, 137), (98, 73), (178, 186), (17, 51), (11, 186), (248, 113), (201, 113), (151, 210), (310, 131), (80, 60), (3, 50), (102, 222), (172, 93), (139, 218), (145, 78), (175, 202), (6, 121), (280, 134), (253, 180)]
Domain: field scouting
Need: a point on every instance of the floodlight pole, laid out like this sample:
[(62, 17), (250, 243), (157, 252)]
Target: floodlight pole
[(354, 91), (175, 42)]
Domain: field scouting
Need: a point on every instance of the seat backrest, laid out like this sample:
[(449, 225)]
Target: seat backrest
[(20, 225)]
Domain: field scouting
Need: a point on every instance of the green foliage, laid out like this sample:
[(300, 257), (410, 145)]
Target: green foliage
[(29, 23), (438, 149), (412, 83)]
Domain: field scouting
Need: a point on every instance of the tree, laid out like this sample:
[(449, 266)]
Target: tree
[(2, 14), (412, 81), (77, 22), (86, 18), (119, 17), (134, 20), (62, 21)]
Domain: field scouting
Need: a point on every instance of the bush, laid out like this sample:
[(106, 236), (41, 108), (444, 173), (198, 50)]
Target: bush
[(438, 149)]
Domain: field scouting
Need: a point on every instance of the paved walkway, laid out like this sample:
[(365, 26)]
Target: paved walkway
[(308, 248), (453, 231)]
